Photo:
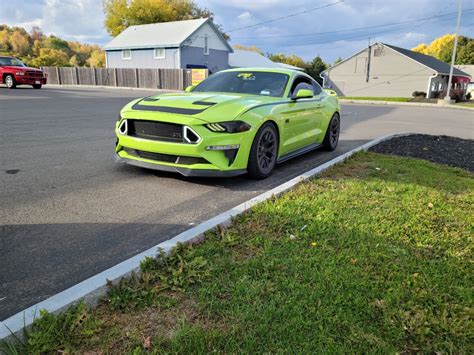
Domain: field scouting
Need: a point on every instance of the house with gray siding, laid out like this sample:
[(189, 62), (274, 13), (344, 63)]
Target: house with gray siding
[(170, 45), (384, 70)]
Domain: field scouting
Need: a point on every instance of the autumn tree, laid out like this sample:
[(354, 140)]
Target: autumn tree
[(253, 48), (37, 49), (291, 59), (442, 49), (120, 14)]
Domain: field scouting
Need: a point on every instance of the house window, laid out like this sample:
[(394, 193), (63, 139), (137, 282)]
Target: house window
[(127, 54), (159, 53), (206, 47)]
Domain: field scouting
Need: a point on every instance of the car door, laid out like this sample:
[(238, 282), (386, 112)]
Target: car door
[(300, 118)]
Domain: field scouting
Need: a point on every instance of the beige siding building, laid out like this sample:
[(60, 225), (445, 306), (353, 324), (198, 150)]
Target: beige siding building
[(384, 70)]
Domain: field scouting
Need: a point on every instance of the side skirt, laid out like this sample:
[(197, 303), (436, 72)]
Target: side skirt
[(298, 152)]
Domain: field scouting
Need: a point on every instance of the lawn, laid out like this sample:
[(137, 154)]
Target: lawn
[(466, 103), (373, 256), (394, 99)]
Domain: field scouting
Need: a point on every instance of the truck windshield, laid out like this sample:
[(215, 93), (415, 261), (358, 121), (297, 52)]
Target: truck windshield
[(245, 82), (11, 61)]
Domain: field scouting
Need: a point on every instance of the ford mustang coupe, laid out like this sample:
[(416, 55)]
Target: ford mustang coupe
[(236, 121)]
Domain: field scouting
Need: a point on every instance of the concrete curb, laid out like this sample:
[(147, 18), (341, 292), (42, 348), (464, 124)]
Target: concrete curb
[(395, 103), (91, 289), (108, 87)]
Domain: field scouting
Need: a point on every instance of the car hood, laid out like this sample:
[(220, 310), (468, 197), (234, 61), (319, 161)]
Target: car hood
[(209, 107), (13, 67)]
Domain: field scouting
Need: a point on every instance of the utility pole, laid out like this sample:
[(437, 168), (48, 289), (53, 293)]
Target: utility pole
[(368, 63), (447, 98)]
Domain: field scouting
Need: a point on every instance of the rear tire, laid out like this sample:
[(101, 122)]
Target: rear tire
[(37, 86), (332, 133), (9, 81), (263, 154)]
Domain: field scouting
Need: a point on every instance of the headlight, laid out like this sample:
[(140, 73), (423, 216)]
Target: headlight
[(20, 73), (229, 127)]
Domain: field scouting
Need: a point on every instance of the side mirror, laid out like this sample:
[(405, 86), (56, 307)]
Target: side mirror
[(190, 88), (303, 94)]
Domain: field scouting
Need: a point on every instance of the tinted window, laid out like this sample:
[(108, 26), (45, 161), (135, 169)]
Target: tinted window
[(245, 82), (316, 88), (11, 61), (301, 83)]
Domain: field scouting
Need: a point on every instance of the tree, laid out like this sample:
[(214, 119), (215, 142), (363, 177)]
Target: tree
[(337, 61), (120, 14), (19, 43), (465, 51), (97, 58), (253, 48), (50, 57), (442, 49), (315, 68), (291, 59), (38, 49)]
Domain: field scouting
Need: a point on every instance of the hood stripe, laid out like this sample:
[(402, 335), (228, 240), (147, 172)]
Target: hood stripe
[(167, 109)]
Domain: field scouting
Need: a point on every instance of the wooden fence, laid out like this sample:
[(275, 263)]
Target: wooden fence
[(167, 79)]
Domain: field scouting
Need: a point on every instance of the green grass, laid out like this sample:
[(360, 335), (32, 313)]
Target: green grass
[(373, 256), (467, 104), (395, 99)]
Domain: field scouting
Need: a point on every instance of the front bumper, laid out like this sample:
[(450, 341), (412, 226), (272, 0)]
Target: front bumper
[(188, 159), (26, 80), (174, 169)]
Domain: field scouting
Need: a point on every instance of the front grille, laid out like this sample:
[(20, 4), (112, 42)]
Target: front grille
[(34, 74), (160, 131), (166, 158)]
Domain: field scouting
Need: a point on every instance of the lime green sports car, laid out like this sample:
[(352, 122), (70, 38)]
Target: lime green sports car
[(236, 121)]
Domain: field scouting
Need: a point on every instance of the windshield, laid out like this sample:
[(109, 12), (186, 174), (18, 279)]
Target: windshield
[(245, 82), (11, 61)]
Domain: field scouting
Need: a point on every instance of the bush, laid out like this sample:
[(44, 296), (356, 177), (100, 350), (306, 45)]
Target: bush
[(468, 96), (418, 94), (455, 94)]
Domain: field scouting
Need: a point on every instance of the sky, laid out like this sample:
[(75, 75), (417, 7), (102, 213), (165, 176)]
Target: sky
[(331, 32)]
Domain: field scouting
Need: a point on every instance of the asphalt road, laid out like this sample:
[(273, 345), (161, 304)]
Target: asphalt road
[(68, 212)]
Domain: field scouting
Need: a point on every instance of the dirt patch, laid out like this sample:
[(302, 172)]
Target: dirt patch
[(450, 151)]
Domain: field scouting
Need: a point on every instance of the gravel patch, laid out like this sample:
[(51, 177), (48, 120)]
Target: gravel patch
[(450, 151)]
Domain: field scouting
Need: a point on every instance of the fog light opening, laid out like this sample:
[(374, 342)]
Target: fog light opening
[(123, 128), (223, 147)]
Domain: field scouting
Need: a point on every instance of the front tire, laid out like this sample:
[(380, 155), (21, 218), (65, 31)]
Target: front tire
[(263, 154), (332, 133), (37, 86), (10, 81)]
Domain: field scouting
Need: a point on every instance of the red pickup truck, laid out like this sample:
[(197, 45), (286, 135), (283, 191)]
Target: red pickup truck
[(13, 72)]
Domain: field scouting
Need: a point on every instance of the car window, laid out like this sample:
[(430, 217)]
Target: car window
[(301, 83), (11, 61), (245, 82), (316, 88)]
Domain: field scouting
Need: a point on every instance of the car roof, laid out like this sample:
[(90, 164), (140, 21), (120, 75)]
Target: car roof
[(270, 70)]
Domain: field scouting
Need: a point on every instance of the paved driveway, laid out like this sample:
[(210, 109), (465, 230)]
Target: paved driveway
[(67, 212)]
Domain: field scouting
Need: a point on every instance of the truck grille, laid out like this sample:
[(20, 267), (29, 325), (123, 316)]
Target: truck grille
[(166, 158), (160, 131), (34, 74)]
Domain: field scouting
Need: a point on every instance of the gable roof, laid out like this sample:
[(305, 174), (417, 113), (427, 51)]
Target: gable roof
[(246, 59), (423, 59), (160, 35), (427, 60)]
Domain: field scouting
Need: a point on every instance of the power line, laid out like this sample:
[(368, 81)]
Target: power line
[(287, 16), (355, 28), (338, 39)]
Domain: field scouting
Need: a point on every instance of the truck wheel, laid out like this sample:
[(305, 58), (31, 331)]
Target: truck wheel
[(263, 154), (10, 81), (37, 86)]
